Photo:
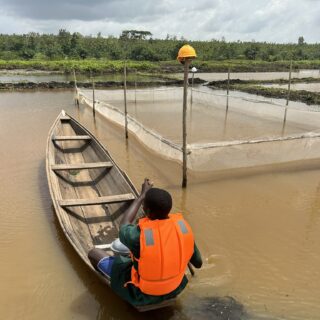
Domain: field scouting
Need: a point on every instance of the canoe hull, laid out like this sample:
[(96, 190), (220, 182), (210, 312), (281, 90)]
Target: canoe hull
[(89, 191)]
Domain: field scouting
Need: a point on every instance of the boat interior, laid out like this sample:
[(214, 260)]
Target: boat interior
[(90, 190)]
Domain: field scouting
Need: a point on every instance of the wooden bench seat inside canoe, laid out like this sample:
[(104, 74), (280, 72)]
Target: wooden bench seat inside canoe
[(97, 201), (71, 138), (81, 166)]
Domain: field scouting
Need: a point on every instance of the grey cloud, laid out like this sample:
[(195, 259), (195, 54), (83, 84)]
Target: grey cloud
[(274, 20), (262, 20), (116, 10)]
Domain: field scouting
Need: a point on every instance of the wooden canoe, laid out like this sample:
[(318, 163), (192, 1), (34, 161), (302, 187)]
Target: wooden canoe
[(88, 190)]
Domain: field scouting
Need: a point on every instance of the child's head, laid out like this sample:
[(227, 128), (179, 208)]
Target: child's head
[(157, 204)]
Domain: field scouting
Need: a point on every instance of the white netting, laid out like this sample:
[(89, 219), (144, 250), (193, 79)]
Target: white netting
[(149, 137), (235, 132)]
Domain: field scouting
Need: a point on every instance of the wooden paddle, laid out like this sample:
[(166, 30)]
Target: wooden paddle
[(190, 268)]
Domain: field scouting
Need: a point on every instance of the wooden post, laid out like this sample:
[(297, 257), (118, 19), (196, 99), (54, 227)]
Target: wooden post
[(75, 87), (93, 96), (125, 99), (135, 88), (289, 84), (192, 87), (185, 55), (74, 78), (227, 105), (226, 118), (284, 120), (228, 87), (184, 123), (287, 102)]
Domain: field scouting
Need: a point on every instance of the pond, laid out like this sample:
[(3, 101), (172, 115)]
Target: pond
[(258, 230)]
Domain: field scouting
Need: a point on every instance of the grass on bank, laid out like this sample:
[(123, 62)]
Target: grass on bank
[(116, 66), (81, 66)]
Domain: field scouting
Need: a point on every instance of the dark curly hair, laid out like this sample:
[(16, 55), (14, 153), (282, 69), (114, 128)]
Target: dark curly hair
[(158, 202)]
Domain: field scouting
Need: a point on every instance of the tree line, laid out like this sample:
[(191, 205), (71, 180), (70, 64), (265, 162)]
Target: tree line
[(140, 46)]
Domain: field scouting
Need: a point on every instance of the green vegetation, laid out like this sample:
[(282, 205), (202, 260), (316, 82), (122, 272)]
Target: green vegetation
[(140, 46), (82, 66), (112, 66), (245, 65), (65, 51)]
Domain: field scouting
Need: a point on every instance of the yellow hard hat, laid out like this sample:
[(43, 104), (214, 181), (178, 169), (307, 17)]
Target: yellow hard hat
[(186, 51)]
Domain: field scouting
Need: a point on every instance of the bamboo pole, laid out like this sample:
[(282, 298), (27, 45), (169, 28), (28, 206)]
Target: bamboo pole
[(184, 123), (226, 118), (93, 96), (74, 78), (76, 100), (289, 84), (228, 87), (125, 99), (227, 104), (287, 102), (135, 88), (192, 87)]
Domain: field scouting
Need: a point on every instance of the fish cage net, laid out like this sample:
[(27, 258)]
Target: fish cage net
[(223, 131)]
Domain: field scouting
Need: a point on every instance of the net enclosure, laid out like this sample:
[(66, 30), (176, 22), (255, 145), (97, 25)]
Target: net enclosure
[(223, 131)]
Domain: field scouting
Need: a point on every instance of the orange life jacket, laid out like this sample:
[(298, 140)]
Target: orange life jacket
[(166, 247)]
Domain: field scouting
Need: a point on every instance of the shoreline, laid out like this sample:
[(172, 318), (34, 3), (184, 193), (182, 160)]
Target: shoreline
[(256, 87), (165, 67), (28, 85)]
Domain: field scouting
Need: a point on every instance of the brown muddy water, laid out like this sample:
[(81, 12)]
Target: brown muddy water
[(37, 76), (215, 76), (313, 87), (258, 231)]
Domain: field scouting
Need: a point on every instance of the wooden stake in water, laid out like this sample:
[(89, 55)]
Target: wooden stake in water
[(192, 87), (125, 100), (227, 105), (193, 70), (75, 88), (75, 79), (289, 84), (135, 88), (184, 123), (228, 87), (287, 102), (93, 97)]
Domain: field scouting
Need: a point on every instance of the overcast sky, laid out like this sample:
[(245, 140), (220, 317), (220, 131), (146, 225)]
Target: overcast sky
[(245, 20)]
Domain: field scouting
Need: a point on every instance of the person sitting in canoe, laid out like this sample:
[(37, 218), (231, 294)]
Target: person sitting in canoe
[(161, 246)]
